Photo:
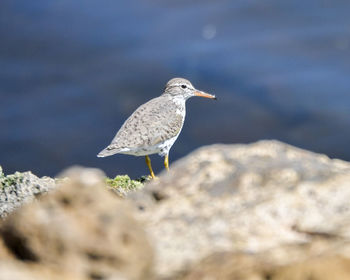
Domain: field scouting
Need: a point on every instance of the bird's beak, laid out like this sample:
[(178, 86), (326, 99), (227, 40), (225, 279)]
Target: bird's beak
[(203, 94)]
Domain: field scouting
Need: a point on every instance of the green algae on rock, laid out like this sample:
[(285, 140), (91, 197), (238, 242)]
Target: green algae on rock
[(122, 184), (10, 180)]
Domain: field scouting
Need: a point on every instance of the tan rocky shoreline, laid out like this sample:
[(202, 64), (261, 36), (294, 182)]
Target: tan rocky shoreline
[(261, 211)]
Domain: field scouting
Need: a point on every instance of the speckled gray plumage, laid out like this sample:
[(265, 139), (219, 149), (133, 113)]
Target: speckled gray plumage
[(155, 125), (152, 123)]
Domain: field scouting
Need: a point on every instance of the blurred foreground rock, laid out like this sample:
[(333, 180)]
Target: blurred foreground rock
[(11, 270), (249, 199), (228, 212), (81, 229), (232, 266)]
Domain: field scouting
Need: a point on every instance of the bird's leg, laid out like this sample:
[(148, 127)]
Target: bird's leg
[(166, 162), (148, 162)]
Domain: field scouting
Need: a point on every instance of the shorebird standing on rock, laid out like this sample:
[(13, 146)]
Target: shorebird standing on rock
[(154, 126)]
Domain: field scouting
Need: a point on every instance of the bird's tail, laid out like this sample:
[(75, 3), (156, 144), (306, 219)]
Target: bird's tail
[(110, 150)]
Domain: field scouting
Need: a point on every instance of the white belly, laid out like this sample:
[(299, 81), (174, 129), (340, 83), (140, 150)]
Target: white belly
[(162, 149)]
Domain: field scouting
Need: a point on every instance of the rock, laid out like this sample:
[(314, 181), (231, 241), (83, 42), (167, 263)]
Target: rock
[(80, 229), (21, 271), (228, 266), (250, 212), (251, 199), (19, 188), (326, 268)]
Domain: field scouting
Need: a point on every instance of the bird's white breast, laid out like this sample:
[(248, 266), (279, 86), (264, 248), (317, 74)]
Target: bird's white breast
[(181, 106)]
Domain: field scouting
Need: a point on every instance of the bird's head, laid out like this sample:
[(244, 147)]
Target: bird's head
[(179, 87)]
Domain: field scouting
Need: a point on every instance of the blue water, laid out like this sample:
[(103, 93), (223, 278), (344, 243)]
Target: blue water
[(72, 71)]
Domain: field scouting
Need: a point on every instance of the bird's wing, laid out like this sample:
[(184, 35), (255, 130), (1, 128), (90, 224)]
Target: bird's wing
[(152, 123)]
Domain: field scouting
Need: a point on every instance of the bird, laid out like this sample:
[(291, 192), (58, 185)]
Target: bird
[(154, 126)]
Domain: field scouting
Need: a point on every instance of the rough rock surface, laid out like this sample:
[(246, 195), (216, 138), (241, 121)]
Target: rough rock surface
[(325, 268), (12, 270), (249, 212), (233, 266), (80, 229), (19, 188), (247, 199)]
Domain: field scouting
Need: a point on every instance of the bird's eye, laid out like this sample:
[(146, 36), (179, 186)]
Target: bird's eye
[(184, 86)]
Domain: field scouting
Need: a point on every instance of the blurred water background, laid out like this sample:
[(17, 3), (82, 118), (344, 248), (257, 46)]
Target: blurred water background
[(72, 71)]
